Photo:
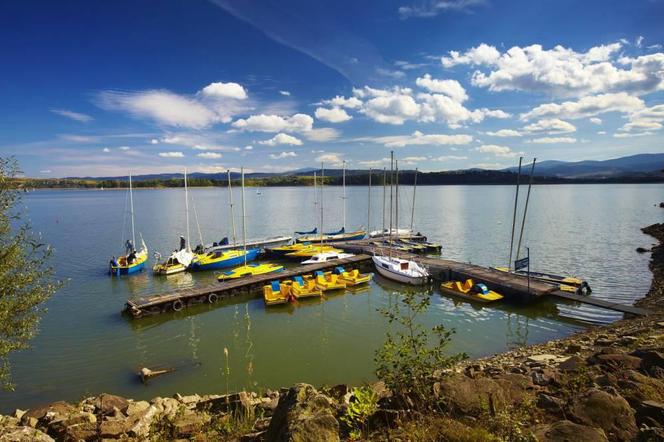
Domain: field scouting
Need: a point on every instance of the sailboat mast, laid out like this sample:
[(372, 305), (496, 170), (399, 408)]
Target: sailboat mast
[(384, 195), (343, 181), (230, 200), (396, 163), (315, 197), (322, 182), (525, 209), (391, 180), (516, 202), (131, 205), (412, 209), (369, 205), (244, 229), (186, 207)]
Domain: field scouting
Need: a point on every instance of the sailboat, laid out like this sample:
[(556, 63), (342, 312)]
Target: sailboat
[(181, 258), (132, 261), (399, 269), (341, 234), (248, 269), (385, 232)]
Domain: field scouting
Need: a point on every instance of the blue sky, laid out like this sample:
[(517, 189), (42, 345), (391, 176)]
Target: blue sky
[(99, 88)]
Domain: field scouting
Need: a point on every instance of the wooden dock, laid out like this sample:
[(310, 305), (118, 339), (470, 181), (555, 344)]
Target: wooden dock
[(511, 285), (212, 293)]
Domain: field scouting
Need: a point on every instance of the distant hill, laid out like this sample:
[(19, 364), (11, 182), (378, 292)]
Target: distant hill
[(632, 166)]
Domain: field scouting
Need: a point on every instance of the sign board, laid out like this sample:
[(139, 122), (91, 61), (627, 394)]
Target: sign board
[(521, 263)]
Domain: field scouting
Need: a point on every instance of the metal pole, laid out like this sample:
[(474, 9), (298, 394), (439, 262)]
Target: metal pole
[(230, 198), (384, 195), (412, 213), (343, 197), (525, 209), (131, 199), (396, 216), (315, 199), (322, 182), (528, 251), (244, 228), (186, 207), (516, 202), (369, 205), (391, 196)]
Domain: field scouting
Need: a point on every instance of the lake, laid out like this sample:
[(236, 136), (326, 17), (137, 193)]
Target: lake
[(85, 346)]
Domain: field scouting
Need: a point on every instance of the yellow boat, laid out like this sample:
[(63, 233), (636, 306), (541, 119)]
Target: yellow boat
[(311, 250), (277, 292), (353, 277), (302, 288), (282, 250), (250, 270), (170, 267), (327, 282), (470, 291)]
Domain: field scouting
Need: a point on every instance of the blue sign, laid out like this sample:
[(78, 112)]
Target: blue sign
[(521, 263)]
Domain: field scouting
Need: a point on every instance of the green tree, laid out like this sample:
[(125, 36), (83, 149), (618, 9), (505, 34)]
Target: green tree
[(412, 354), (26, 279)]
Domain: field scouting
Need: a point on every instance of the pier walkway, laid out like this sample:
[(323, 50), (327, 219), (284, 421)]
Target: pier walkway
[(512, 286)]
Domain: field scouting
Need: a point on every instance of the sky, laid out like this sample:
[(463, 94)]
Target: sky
[(105, 88)]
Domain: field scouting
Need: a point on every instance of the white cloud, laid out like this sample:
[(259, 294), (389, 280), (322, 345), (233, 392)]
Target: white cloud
[(282, 155), (285, 93), (417, 138), (639, 41), (106, 149), (561, 71), (321, 135), (154, 141), (46, 171), (601, 132), (451, 88), (504, 133), (209, 155), (171, 154), (349, 103), (248, 147), (432, 8), (489, 166), (412, 160), (499, 151), (631, 134), (225, 90), (550, 126), (553, 140), (275, 123), (280, 139), (76, 116), (330, 159), (162, 106), (124, 148), (391, 107), (587, 107), (595, 120), (449, 158), (195, 140), (644, 121), (334, 115), (397, 75)]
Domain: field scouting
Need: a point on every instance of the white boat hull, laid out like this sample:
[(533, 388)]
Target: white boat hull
[(261, 243), (389, 271)]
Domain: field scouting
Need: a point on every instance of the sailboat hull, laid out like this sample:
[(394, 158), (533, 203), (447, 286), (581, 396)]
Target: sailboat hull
[(137, 266), (227, 262), (386, 270)]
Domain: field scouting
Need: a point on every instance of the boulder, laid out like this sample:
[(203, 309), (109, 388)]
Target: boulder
[(105, 403), (56, 409), (616, 361), (84, 431), (189, 424), (23, 434), (572, 364), (566, 431), (466, 396), (637, 387), (135, 408), (304, 414), (548, 402), (612, 413), (650, 413), (112, 428), (547, 359), (652, 361), (142, 422)]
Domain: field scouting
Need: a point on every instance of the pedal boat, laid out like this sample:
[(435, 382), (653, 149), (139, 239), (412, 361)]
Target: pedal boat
[(352, 278), (250, 270), (277, 293), (305, 288), (222, 259), (328, 281), (470, 291)]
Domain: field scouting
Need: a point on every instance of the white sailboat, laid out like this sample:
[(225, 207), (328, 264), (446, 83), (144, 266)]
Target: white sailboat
[(398, 269)]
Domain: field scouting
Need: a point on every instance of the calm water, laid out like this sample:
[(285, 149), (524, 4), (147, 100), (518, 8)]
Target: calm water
[(85, 346)]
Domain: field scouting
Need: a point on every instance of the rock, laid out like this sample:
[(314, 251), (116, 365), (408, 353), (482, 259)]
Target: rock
[(141, 427), (616, 361), (628, 340), (137, 407), (381, 390), (105, 403), (572, 364), (612, 413), (230, 403), (652, 361), (548, 402), (603, 342), (566, 431), (188, 400), (547, 359), (650, 413), (18, 414), (636, 387), (85, 431), (57, 409), (189, 424), (546, 377), (23, 434), (112, 428), (573, 348), (166, 406), (304, 414), (641, 250)]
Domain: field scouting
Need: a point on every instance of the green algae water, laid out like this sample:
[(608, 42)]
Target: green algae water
[(86, 347)]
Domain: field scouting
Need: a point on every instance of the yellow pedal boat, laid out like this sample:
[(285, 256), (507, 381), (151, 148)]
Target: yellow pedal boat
[(352, 278), (328, 281), (305, 288), (283, 250), (170, 267), (277, 292), (311, 250), (250, 270), (470, 291)]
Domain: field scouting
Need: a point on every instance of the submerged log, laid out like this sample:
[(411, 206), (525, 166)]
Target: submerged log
[(147, 373)]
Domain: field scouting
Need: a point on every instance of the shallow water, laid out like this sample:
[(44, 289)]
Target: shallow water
[(85, 346)]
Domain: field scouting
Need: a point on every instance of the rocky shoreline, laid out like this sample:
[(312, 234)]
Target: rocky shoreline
[(605, 383)]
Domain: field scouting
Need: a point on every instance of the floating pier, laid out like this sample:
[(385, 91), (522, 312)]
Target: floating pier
[(510, 285)]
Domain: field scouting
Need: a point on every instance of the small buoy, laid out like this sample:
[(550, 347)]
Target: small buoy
[(212, 298), (177, 305)]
